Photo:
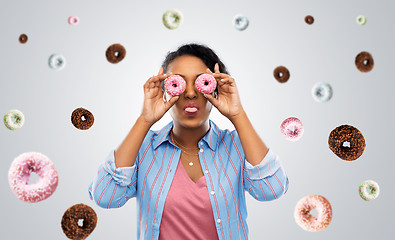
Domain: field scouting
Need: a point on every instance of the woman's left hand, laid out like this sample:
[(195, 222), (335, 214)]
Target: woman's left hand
[(228, 100)]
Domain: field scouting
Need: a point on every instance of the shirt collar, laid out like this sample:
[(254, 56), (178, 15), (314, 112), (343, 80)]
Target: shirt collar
[(211, 137)]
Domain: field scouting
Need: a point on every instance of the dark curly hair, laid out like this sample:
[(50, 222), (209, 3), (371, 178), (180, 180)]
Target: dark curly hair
[(208, 56)]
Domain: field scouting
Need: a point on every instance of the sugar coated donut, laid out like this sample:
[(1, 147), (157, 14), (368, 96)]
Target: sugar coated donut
[(82, 118), (364, 61), (23, 38), (309, 19), (240, 22), (369, 190), (322, 92), (361, 20), (73, 20), (79, 221), (347, 142), (115, 53), (206, 83), (14, 119), (174, 85), (56, 61), (292, 129), (281, 74), (172, 19), (309, 222), (19, 174)]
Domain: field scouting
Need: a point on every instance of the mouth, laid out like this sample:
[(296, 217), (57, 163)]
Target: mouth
[(191, 109)]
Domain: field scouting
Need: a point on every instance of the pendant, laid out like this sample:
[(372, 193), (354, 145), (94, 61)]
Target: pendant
[(191, 163)]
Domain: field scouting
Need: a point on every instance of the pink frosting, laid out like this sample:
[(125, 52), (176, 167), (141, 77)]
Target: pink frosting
[(309, 222), (174, 85), (206, 83), (294, 134), (19, 174)]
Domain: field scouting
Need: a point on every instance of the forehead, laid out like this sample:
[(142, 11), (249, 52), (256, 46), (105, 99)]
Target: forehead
[(187, 64)]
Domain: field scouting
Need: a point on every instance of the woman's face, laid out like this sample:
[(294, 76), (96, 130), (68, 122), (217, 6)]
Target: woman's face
[(189, 67)]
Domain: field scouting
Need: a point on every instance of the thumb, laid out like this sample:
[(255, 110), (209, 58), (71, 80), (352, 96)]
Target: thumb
[(160, 71), (212, 99), (171, 102)]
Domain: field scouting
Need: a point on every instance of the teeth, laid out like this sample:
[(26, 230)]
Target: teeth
[(191, 109)]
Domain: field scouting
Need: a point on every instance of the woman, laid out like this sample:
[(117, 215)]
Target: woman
[(190, 176)]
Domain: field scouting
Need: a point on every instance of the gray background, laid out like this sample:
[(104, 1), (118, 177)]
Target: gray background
[(277, 35)]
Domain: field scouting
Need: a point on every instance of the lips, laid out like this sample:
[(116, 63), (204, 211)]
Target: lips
[(191, 109)]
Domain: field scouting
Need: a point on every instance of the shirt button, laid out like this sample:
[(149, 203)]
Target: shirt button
[(201, 150), (218, 220), (201, 143), (206, 171), (212, 192)]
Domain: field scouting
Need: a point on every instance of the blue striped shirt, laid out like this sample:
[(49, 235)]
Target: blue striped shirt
[(228, 174)]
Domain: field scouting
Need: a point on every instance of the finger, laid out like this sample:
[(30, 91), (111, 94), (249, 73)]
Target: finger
[(216, 68), (221, 75), (211, 99), (160, 71), (160, 78), (171, 102)]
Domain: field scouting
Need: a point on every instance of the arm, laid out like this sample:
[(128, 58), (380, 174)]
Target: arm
[(264, 176), (254, 148), (126, 153)]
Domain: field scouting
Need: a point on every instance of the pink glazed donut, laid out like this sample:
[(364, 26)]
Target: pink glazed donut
[(174, 85), (309, 222), (73, 20), (292, 129), (19, 174), (206, 83)]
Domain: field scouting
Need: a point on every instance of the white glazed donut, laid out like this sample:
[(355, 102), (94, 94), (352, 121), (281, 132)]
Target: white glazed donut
[(56, 61), (14, 119), (369, 190), (172, 19), (240, 22), (322, 92)]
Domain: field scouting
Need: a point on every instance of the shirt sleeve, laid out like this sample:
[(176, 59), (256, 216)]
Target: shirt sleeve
[(113, 187), (267, 180)]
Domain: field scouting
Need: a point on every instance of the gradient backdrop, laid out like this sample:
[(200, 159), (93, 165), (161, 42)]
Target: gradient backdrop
[(277, 35)]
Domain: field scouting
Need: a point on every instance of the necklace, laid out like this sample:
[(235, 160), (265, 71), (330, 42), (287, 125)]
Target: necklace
[(181, 146)]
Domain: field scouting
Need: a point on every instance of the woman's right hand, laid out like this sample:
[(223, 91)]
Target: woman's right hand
[(154, 106)]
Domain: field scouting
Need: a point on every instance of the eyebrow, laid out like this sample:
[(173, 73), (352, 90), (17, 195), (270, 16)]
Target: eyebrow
[(184, 76)]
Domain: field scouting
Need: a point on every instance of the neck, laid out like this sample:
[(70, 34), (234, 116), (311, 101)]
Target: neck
[(189, 137)]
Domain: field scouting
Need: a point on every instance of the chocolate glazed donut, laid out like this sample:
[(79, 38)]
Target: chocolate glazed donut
[(350, 134), (73, 215), (364, 62), (115, 53), (281, 74), (23, 38), (309, 19), (78, 121)]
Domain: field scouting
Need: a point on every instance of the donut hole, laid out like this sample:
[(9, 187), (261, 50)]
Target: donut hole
[(81, 222), (83, 118), (280, 74), (292, 128), (174, 85), (116, 54), (59, 62), (34, 177), (314, 213), (206, 83), (366, 62), (15, 119), (346, 144)]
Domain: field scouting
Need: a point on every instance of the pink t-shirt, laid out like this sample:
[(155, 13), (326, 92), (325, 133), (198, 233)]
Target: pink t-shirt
[(187, 213)]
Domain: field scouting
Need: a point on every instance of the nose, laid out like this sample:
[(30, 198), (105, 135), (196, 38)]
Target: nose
[(190, 90)]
